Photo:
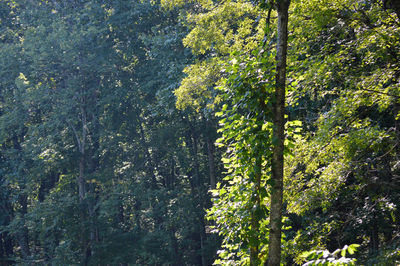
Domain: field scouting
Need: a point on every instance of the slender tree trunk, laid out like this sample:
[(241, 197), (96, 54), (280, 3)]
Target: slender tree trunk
[(196, 185), (81, 178), (199, 196), (374, 235), (2, 250), (5, 237), (211, 162), (22, 234), (210, 152), (397, 128), (274, 254), (255, 220), (6, 250), (203, 239), (82, 186), (23, 241), (81, 141), (170, 180), (149, 161), (3, 253), (194, 143)]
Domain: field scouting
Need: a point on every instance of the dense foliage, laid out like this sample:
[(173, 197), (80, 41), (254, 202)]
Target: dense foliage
[(138, 132), (97, 165)]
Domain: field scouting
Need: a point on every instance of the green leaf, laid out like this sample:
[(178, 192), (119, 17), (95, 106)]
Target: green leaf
[(353, 248), (343, 252)]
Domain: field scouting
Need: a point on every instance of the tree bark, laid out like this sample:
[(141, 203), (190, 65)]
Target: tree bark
[(211, 162), (396, 111), (82, 160), (149, 161), (22, 235), (6, 250), (255, 220), (196, 187), (81, 140), (274, 254)]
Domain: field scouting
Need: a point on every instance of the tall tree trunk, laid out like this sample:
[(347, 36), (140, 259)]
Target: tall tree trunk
[(81, 140), (6, 250), (198, 193), (82, 187), (396, 111), (5, 237), (23, 241), (22, 234), (196, 185), (150, 165), (2, 250), (203, 239), (210, 152), (211, 162), (274, 254), (82, 159), (255, 220)]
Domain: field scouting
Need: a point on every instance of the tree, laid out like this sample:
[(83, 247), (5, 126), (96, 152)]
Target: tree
[(107, 148), (242, 80), (344, 78), (277, 162), (106, 170)]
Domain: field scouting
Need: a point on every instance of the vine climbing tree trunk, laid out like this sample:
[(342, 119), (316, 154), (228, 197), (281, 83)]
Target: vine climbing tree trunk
[(274, 254)]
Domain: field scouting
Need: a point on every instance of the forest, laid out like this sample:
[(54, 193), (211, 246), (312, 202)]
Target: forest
[(199, 132)]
